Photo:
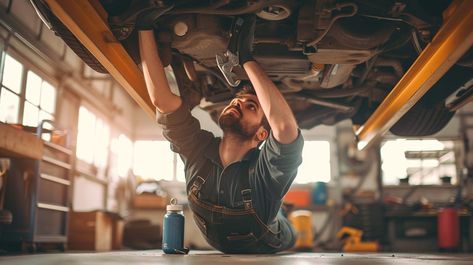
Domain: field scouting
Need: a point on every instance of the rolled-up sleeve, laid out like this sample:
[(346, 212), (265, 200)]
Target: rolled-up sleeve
[(277, 165), (184, 133)]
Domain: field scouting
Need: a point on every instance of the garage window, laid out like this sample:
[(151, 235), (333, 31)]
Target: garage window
[(424, 161), (315, 162), (26, 102), (93, 140), (40, 100), (154, 160), (125, 155), (10, 94)]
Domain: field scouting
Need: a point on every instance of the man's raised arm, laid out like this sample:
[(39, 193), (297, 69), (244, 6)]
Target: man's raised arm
[(277, 111), (156, 82)]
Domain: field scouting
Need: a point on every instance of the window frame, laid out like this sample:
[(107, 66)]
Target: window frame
[(27, 66), (92, 168), (457, 150)]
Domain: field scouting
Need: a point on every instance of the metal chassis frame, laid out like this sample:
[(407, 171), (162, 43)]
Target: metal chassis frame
[(88, 23)]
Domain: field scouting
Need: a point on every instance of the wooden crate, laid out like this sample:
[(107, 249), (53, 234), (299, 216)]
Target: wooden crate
[(90, 231)]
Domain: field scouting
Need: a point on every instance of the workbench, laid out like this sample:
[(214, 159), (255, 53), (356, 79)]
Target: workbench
[(398, 223), (18, 143)]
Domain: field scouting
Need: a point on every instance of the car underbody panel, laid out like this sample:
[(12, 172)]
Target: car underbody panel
[(332, 60)]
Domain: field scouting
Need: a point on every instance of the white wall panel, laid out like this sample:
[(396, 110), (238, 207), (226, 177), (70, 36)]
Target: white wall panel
[(24, 12), (52, 41), (88, 195), (72, 59), (127, 108)]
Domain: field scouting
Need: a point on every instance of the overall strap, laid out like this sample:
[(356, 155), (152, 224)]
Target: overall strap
[(200, 179), (245, 181)]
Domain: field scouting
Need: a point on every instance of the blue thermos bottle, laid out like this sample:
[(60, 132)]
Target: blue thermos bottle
[(173, 229), (319, 193)]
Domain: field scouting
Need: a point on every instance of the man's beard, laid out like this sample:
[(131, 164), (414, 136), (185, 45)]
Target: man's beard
[(231, 124)]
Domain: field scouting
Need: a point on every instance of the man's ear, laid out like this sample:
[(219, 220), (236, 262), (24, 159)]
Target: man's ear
[(262, 134)]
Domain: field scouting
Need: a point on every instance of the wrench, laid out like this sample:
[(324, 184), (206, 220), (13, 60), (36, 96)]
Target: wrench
[(229, 59), (226, 62)]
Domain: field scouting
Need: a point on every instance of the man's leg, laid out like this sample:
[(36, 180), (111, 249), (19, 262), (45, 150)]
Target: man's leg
[(288, 235)]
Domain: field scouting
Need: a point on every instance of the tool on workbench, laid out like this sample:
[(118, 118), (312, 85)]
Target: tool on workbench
[(351, 238), (228, 60)]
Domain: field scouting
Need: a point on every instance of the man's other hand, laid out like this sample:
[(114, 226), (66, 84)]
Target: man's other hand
[(245, 40)]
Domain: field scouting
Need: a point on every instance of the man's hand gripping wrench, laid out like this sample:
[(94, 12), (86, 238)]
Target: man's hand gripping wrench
[(229, 59)]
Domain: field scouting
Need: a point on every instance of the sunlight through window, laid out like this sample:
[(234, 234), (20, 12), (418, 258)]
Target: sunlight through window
[(125, 155), (93, 139), (153, 160), (12, 74), (35, 98), (315, 162), (10, 90), (33, 85), (40, 102), (85, 137), (9, 106), (424, 161)]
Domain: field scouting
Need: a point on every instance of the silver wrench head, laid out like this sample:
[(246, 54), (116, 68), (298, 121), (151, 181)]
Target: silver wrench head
[(225, 63)]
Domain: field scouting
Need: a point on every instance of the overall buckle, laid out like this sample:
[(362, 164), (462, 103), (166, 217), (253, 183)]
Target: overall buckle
[(197, 184), (246, 196)]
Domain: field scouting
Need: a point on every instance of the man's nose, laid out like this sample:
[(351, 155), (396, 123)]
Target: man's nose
[(237, 102)]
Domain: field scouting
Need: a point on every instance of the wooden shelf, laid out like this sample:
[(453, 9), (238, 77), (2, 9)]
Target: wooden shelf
[(59, 148)]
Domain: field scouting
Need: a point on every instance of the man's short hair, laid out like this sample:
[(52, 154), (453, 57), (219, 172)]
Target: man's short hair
[(246, 88)]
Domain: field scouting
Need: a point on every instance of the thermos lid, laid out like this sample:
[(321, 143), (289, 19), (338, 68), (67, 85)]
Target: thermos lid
[(174, 206)]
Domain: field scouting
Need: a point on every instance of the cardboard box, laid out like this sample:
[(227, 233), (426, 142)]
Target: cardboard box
[(90, 231), (117, 233), (150, 201)]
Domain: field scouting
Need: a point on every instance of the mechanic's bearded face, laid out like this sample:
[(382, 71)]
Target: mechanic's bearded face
[(243, 117)]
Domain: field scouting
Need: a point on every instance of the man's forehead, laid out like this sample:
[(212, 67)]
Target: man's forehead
[(249, 97)]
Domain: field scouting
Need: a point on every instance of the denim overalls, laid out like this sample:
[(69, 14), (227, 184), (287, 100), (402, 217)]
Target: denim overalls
[(230, 230)]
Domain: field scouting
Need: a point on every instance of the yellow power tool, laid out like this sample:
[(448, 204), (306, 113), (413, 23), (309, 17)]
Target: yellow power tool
[(351, 238)]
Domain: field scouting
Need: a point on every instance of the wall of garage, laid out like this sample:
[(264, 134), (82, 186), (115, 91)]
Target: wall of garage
[(28, 40)]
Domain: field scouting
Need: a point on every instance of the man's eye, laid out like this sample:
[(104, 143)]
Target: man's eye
[(252, 107)]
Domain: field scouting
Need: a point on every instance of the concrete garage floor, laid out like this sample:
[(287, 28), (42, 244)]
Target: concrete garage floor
[(157, 257)]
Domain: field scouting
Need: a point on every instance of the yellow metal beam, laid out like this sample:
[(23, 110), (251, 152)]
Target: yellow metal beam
[(453, 39), (89, 27)]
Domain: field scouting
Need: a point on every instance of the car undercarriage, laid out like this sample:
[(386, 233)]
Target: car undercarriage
[(332, 60)]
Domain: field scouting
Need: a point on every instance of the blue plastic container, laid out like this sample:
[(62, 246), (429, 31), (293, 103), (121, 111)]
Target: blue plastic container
[(173, 229), (319, 193)]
